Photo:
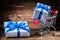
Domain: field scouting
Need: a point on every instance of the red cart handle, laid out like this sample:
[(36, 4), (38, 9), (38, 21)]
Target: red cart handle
[(54, 11)]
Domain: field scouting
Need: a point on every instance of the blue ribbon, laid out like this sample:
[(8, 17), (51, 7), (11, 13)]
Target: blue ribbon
[(23, 26), (18, 32), (43, 7), (12, 26), (40, 14), (40, 5)]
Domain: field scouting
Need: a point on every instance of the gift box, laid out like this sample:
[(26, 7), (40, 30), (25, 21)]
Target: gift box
[(40, 10), (16, 29)]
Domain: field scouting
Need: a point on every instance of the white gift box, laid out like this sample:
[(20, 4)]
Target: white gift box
[(13, 33), (39, 10)]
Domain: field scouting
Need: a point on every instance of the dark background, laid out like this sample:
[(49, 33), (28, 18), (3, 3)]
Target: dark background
[(6, 6)]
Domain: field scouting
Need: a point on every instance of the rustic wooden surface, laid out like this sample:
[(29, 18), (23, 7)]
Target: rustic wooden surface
[(25, 11), (36, 37)]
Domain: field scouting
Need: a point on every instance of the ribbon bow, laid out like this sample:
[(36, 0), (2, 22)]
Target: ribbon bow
[(43, 7), (12, 26)]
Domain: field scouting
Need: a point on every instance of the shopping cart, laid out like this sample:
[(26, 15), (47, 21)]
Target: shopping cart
[(49, 23)]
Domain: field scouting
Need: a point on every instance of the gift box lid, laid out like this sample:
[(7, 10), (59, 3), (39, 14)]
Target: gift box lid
[(44, 6)]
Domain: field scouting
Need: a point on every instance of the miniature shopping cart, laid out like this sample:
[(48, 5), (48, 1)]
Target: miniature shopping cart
[(49, 24)]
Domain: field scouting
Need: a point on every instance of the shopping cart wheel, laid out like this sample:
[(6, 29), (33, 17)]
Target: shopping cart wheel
[(40, 33), (52, 34)]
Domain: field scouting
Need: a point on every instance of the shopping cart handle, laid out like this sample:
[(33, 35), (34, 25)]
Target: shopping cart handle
[(51, 17), (54, 11)]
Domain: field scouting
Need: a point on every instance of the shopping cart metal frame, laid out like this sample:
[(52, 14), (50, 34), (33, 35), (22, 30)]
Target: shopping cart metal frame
[(47, 25)]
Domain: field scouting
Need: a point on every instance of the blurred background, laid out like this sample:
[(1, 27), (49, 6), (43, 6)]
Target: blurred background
[(25, 9)]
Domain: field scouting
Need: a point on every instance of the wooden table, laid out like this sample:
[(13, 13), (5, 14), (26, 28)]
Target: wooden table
[(36, 37)]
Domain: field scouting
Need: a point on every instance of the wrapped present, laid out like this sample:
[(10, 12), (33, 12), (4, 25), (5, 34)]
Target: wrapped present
[(16, 29), (40, 9)]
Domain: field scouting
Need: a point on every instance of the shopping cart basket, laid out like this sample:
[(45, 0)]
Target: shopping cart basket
[(48, 24)]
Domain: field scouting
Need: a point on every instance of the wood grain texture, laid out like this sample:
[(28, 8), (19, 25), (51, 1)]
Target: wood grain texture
[(36, 37)]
